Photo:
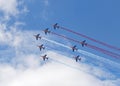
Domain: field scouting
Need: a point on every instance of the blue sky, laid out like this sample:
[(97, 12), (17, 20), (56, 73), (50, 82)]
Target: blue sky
[(96, 19), (20, 57)]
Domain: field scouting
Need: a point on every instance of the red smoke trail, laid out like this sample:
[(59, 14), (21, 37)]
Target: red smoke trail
[(104, 51), (102, 43), (65, 37), (90, 46)]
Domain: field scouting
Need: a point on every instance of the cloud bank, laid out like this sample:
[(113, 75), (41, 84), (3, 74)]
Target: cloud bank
[(26, 68), (50, 73)]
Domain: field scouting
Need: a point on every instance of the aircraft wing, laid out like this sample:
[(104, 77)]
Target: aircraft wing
[(73, 50), (40, 48), (82, 45), (44, 58)]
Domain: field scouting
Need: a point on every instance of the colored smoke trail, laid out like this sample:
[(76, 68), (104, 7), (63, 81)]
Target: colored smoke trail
[(90, 46), (102, 43), (104, 51), (91, 55)]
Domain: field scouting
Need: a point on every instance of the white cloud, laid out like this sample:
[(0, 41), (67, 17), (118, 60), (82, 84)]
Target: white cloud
[(28, 69), (5, 37), (45, 11), (24, 10), (8, 36), (51, 73), (9, 6)]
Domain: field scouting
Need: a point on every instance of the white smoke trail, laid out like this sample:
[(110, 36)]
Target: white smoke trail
[(102, 59)]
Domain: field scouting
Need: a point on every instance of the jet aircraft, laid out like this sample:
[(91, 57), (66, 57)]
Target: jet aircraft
[(37, 36), (41, 47), (55, 26), (44, 57), (77, 58), (46, 31), (83, 43), (74, 48)]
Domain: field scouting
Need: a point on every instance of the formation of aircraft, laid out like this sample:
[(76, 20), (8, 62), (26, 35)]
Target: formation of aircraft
[(44, 57), (37, 36), (41, 47), (77, 58), (46, 31), (74, 48), (55, 26)]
